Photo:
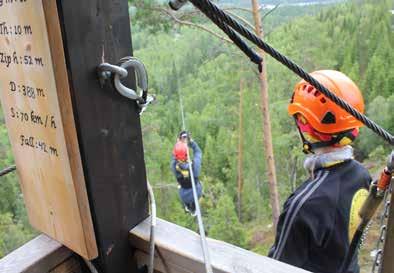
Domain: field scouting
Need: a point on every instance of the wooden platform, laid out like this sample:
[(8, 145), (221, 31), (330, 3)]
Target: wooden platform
[(42, 255), (179, 251)]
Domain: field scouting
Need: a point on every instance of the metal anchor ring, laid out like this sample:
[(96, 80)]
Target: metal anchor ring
[(142, 80)]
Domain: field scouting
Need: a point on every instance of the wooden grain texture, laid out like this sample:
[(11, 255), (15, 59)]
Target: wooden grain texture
[(63, 90), (71, 265), (108, 126), (36, 103), (180, 252), (37, 256)]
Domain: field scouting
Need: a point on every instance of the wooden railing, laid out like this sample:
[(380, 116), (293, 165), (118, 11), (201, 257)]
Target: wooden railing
[(41, 255), (178, 250)]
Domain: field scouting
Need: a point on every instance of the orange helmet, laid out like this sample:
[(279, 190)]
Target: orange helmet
[(323, 114), (180, 151)]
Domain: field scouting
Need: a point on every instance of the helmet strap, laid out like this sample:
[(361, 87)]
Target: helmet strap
[(309, 147), (306, 145)]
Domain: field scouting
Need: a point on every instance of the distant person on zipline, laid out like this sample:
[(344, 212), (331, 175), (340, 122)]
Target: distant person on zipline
[(180, 168), (319, 219)]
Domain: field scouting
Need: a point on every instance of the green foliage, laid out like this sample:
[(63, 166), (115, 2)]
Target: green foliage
[(144, 14), (223, 222), (12, 234), (356, 38), (206, 72), (379, 110)]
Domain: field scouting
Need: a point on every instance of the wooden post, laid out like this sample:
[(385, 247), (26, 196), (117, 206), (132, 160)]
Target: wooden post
[(388, 250), (108, 125), (77, 145), (268, 147)]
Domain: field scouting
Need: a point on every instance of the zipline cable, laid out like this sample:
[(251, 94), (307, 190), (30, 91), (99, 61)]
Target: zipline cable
[(204, 245), (182, 112), (223, 21)]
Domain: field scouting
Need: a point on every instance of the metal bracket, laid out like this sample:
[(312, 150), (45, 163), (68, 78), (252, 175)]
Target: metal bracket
[(115, 73), (106, 70), (142, 79)]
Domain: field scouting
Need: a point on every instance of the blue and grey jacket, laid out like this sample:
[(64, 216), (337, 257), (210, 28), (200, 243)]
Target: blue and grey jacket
[(196, 165), (319, 219)]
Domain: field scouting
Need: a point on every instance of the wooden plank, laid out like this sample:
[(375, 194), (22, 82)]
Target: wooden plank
[(180, 252), (37, 256), (71, 265), (160, 265), (37, 109), (63, 88), (108, 126)]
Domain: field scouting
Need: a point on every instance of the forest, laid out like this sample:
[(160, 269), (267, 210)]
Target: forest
[(210, 75)]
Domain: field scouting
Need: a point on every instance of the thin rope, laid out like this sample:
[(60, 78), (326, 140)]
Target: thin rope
[(222, 19), (152, 228), (91, 266), (204, 246)]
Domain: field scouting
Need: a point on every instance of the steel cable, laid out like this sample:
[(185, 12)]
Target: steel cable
[(221, 19), (204, 245), (252, 55)]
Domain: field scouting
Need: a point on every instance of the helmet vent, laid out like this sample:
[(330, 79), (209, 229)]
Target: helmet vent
[(310, 89), (317, 93), (323, 100), (329, 118)]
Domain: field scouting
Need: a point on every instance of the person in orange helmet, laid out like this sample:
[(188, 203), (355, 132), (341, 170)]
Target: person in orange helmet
[(319, 219), (181, 170)]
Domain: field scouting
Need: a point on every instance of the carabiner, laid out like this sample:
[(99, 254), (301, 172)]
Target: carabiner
[(142, 80)]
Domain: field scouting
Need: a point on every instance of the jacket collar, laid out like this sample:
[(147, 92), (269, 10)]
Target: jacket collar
[(328, 158)]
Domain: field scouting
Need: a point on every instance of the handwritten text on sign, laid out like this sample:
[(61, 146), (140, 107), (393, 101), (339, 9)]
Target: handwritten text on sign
[(51, 181)]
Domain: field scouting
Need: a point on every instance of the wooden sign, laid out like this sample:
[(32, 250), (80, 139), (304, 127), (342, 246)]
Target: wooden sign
[(37, 108)]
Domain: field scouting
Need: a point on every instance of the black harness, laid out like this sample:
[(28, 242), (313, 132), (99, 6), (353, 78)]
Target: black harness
[(183, 176)]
